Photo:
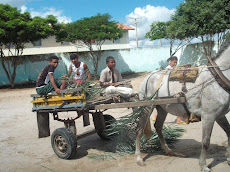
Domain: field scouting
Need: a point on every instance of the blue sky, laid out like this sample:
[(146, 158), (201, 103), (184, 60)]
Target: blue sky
[(121, 10)]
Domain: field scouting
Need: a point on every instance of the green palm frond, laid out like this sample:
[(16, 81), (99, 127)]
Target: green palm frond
[(91, 87), (124, 130)]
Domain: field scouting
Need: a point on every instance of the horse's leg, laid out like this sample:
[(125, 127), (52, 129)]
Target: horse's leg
[(140, 128), (147, 130), (161, 116), (224, 124), (138, 147), (207, 126)]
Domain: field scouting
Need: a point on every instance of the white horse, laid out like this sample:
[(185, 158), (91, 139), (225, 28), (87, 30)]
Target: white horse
[(205, 98)]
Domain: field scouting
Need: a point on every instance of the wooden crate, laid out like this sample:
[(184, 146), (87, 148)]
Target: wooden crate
[(69, 98)]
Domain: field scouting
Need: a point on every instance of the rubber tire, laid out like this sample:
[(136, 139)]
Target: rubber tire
[(61, 135), (108, 120)]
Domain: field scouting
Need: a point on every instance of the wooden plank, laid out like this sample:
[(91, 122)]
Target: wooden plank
[(59, 99), (62, 92), (174, 100), (100, 101), (56, 108), (112, 105), (43, 123)]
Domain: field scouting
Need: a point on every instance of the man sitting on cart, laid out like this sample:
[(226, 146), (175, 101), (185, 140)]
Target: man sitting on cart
[(78, 69), (110, 75), (46, 82), (111, 78)]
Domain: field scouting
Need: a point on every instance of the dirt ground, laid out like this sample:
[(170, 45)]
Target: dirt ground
[(21, 150)]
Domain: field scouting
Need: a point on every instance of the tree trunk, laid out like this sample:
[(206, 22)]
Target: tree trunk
[(95, 72), (171, 46), (10, 77), (204, 46), (12, 85)]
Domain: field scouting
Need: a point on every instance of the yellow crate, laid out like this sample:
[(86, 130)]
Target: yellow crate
[(67, 98)]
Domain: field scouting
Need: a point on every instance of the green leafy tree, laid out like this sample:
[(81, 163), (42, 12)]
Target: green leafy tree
[(165, 30), (17, 29), (157, 31), (204, 19), (92, 33)]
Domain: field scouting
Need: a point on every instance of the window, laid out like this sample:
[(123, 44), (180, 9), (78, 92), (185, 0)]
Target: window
[(37, 43)]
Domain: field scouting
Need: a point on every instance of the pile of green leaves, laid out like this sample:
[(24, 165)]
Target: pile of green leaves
[(123, 132), (91, 86)]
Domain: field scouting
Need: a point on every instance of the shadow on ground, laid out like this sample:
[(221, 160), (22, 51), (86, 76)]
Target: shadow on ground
[(183, 148)]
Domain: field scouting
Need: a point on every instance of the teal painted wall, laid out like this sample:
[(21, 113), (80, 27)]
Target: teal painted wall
[(127, 60)]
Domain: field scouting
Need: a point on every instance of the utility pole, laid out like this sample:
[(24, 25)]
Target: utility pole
[(136, 21)]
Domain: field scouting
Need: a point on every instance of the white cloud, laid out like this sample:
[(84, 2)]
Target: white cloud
[(21, 4), (23, 8), (14, 3), (146, 16), (51, 11)]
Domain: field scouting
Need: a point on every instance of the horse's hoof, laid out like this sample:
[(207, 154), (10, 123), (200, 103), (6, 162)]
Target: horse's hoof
[(170, 153), (178, 154), (228, 162), (205, 169), (140, 163)]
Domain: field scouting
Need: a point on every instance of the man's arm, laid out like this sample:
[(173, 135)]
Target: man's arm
[(103, 79), (51, 76), (107, 84), (70, 71), (88, 72)]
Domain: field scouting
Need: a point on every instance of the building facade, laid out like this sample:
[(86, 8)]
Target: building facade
[(49, 45)]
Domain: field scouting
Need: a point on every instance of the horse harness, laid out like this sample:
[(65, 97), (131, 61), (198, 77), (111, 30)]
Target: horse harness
[(218, 75), (182, 79)]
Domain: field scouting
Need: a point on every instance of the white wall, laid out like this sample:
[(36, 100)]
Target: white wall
[(127, 60)]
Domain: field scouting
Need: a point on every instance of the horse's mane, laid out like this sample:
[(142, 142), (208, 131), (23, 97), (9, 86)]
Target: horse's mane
[(222, 49)]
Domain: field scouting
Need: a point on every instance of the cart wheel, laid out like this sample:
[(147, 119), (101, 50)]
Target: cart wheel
[(64, 143), (108, 121)]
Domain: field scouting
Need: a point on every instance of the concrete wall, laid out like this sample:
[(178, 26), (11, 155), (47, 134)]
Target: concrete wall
[(127, 60)]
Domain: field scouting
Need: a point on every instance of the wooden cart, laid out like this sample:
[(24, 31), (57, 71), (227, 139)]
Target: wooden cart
[(64, 140)]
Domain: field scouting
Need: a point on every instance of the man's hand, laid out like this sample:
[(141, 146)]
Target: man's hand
[(112, 84), (108, 84), (58, 91)]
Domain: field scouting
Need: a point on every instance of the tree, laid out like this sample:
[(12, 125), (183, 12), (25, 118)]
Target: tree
[(165, 30), (91, 31), (17, 29), (157, 31), (204, 19)]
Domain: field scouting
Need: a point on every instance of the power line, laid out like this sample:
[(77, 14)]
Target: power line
[(136, 21)]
